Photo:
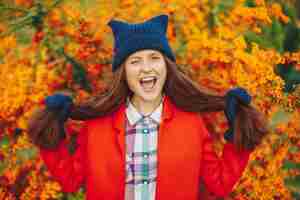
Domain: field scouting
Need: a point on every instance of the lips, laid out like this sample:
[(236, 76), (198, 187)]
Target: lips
[(148, 83)]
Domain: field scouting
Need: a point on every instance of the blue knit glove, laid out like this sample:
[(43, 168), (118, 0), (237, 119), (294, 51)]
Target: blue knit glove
[(61, 104), (232, 97)]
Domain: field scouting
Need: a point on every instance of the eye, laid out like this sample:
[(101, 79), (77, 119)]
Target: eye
[(155, 57), (134, 62)]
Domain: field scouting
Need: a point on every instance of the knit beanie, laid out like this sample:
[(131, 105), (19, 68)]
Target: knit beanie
[(129, 38)]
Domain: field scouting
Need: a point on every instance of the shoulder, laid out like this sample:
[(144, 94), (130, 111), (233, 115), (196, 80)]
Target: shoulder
[(98, 121), (193, 117), (107, 120), (180, 115)]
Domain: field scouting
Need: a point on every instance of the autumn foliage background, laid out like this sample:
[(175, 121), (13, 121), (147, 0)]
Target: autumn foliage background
[(66, 46)]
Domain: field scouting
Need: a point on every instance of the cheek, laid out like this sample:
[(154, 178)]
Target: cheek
[(132, 84), (132, 78), (163, 73)]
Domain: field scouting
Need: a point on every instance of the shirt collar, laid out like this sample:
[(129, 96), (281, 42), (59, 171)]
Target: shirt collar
[(134, 115)]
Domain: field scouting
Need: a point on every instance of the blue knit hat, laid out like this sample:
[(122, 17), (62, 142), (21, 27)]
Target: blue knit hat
[(130, 38)]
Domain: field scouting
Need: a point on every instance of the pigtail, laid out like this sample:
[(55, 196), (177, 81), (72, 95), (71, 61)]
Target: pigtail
[(250, 125), (46, 129), (43, 129)]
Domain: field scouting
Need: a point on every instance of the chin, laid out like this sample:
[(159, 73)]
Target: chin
[(149, 96)]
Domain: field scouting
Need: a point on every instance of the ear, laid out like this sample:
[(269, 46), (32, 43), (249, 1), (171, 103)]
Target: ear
[(162, 20), (117, 26)]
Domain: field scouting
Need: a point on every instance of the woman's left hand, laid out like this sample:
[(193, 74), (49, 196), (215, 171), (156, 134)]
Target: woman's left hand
[(233, 97)]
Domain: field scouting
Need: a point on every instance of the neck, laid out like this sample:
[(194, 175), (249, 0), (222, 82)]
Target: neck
[(146, 107)]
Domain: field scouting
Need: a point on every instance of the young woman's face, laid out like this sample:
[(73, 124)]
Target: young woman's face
[(146, 73)]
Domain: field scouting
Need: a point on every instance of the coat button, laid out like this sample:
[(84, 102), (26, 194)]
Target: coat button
[(146, 182), (145, 130), (146, 155)]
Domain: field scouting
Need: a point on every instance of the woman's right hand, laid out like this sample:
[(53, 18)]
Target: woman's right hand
[(46, 127)]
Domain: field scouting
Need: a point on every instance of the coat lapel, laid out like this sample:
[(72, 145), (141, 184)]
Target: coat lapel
[(118, 123), (119, 126), (168, 110)]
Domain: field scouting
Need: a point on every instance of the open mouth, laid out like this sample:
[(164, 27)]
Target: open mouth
[(148, 83)]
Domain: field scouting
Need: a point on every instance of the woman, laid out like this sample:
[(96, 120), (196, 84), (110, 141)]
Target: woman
[(144, 138)]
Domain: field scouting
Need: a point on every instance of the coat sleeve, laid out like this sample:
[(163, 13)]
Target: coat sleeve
[(221, 173), (65, 168)]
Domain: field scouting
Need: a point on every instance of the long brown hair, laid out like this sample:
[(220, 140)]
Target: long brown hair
[(250, 125)]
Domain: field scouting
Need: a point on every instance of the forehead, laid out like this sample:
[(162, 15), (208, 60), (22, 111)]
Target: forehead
[(144, 52)]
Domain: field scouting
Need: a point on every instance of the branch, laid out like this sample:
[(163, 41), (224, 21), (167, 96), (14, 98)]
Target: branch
[(14, 8)]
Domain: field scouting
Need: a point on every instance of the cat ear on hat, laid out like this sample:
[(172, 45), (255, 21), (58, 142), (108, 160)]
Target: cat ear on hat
[(117, 26), (162, 20)]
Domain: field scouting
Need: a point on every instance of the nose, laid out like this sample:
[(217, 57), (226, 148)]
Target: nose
[(147, 66)]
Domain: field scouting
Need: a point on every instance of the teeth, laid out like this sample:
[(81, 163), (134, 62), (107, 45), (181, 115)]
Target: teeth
[(148, 83), (148, 78)]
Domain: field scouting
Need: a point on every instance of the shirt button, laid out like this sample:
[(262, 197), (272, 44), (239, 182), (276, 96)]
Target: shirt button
[(146, 182), (146, 155), (145, 130)]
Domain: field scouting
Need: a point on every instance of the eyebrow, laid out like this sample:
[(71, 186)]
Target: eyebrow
[(138, 57)]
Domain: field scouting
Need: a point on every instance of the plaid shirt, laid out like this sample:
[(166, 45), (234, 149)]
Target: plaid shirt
[(141, 153)]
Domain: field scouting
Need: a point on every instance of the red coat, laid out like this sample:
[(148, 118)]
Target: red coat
[(185, 157)]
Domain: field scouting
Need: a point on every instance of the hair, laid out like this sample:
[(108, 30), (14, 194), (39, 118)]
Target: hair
[(249, 126)]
